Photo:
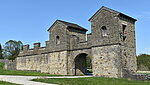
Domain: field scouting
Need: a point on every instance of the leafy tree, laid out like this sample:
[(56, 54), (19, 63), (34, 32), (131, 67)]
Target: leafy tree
[(1, 52), (12, 49), (144, 61)]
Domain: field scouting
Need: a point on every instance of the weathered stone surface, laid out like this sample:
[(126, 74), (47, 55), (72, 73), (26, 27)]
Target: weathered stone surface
[(10, 64), (53, 63), (110, 45), (107, 61)]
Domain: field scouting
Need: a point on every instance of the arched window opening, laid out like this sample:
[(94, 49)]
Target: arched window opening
[(57, 40), (104, 31)]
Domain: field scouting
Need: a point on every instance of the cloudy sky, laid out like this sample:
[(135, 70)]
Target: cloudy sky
[(28, 20)]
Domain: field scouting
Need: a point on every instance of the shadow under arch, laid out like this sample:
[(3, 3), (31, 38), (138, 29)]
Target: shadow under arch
[(80, 64)]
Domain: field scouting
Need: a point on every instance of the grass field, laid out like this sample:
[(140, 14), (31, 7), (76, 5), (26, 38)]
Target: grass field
[(92, 81), (7, 83), (23, 73)]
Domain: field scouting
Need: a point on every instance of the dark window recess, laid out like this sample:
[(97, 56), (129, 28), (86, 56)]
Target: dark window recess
[(104, 31), (124, 27), (124, 36), (57, 40)]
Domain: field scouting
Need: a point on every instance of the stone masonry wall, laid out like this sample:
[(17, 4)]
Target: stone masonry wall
[(111, 22), (10, 64), (128, 46), (106, 61), (3, 60), (53, 63)]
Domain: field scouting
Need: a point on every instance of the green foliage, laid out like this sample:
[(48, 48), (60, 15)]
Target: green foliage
[(91, 81), (23, 73), (1, 66), (143, 59), (12, 49), (88, 62), (1, 52)]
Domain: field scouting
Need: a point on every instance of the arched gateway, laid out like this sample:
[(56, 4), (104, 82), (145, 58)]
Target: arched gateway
[(81, 64)]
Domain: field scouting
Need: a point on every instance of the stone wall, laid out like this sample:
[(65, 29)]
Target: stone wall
[(106, 61), (80, 34), (2, 60), (128, 45), (58, 30), (53, 63), (10, 64), (111, 22)]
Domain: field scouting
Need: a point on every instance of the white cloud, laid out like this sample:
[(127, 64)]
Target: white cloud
[(146, 48)]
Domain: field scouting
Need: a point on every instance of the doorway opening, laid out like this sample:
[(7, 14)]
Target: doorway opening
[(83, 65)]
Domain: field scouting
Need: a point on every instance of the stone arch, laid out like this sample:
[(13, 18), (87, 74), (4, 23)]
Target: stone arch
[(79, 64)]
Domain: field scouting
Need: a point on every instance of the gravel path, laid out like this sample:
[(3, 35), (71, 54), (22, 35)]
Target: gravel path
[(25, 80)]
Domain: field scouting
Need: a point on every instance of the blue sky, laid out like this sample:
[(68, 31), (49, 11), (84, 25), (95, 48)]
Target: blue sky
[(28, 20)]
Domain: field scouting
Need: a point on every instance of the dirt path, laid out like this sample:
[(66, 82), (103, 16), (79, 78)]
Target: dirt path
[(25, 80)]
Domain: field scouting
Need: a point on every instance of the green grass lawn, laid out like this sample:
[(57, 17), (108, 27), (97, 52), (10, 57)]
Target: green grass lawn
[(7, 83), (91, 81), (23, 73)]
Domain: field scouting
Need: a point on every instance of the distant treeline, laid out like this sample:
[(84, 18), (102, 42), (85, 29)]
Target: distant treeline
[(143, 62)]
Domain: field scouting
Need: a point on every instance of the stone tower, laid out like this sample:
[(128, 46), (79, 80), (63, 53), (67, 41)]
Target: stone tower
[(113, 46)]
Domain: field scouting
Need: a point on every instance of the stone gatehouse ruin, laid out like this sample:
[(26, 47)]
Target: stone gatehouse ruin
[(110, 45)]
